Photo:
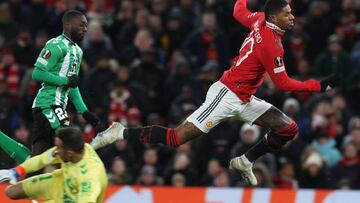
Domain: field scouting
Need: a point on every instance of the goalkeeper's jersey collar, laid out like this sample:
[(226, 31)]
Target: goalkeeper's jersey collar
[(68, 38)]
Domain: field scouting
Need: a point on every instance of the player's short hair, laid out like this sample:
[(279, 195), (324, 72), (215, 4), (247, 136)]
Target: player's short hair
[(72, 138), (70, 14), (274, 6)]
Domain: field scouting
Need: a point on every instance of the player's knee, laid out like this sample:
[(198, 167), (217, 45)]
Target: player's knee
[(10, 192), (277, 139), (289, 131)]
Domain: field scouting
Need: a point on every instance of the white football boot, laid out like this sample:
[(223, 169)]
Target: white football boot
[(242, 165), (113, 133)]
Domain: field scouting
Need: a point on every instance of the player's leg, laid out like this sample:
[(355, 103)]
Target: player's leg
[(214, 109), (282, 129), (45, 121), (15, 150)]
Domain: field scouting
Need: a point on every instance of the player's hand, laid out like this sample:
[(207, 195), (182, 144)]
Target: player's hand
[(91, 118), (73, 81), (329, 82), (9, 175)]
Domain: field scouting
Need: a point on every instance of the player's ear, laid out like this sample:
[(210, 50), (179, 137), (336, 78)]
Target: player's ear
[(273, 18), (70, 153)]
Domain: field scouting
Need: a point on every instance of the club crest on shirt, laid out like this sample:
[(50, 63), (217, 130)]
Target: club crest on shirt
[(209, 124), (278, 61), (46, 54)]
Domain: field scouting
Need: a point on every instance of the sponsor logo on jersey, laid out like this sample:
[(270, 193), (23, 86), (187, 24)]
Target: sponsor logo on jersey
[(46, 54), (278, 61)]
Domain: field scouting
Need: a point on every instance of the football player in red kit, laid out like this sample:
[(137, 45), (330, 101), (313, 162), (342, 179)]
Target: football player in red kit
[(233, 95)]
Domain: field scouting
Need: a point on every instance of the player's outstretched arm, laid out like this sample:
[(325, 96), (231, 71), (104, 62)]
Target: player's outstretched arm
[(29, 166), (243, 15)]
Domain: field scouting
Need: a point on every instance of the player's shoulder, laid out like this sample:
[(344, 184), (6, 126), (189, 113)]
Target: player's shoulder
[(91, 156), (56, 43), (271, 36)]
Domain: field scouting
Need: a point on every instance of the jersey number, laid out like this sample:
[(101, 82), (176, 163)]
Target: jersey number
[(74, 65), (247, 45), (61, 114)]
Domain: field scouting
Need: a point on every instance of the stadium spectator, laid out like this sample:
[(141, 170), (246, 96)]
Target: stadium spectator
[(119, 174), (348, 168)]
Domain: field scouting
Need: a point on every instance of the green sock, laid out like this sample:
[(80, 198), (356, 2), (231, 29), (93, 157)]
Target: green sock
[(15, 150)]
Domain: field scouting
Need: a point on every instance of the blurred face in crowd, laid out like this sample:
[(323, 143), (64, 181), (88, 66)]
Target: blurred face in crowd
[(5, 12), (141, 19), (186, 3), (96, 32), (350, 151), (335, 48), (178, 180), (355, 137), (249, 137), (150, 157), (222, 180), (209, 21), (159, 6), (143, 40), (148, 175), (173, 24), (76, 28), (22, 134), (181, 161), (214, 167), (121, 145), (155, 23), (314, 169), (338, 102), (283, 19), (118, 167), (126, 11), (288, 170)]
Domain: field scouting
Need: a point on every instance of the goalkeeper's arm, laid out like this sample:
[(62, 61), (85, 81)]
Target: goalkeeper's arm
[(31, 165)]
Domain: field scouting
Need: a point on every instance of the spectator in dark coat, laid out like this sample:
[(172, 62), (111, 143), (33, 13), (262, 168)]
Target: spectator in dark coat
[(207, 43), (348, 168)]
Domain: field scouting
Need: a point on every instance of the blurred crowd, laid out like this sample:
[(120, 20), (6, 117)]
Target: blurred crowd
[(150, 62)]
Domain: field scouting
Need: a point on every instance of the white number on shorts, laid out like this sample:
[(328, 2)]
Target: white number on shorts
[(60, 113)]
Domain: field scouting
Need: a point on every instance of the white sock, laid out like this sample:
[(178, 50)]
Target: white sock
[(121, 134), (246, 160)]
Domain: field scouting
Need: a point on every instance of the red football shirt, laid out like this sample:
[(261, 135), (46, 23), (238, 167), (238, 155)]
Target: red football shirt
[(261, 52)]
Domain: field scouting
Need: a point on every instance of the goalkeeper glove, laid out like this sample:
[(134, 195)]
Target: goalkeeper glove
[(91, 118), (73, 81), (329, 82), (9, 175)]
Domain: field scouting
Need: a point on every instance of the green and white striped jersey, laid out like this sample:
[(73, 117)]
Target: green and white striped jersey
[(61, 57)]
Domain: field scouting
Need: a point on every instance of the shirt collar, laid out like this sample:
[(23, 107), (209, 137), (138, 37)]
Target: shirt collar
[(68, 38), (275, 27)]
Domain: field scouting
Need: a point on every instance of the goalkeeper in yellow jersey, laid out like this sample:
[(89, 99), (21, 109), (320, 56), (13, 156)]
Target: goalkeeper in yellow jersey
[(81, 178)]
